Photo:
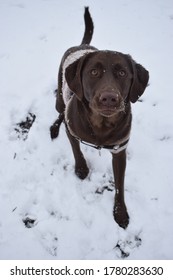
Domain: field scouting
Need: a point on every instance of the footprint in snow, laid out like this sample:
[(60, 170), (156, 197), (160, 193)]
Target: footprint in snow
[(29, 222), (50, 243), (123, 248), (22, 129)]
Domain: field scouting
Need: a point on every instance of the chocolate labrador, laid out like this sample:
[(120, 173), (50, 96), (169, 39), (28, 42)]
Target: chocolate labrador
[(94, 95)]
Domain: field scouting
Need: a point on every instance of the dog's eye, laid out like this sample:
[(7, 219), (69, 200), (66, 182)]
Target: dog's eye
[(121, 73), (94, 73)]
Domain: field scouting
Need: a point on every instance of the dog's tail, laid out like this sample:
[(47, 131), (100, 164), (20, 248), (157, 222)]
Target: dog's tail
[(89, 27)]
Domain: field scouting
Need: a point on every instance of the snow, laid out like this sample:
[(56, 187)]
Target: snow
[(69, 218)]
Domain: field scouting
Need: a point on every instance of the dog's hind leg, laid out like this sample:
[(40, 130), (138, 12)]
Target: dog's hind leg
[(81, 168)]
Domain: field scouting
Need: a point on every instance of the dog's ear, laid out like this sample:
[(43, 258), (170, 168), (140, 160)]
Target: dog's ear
[(73, 77), (140, 81)]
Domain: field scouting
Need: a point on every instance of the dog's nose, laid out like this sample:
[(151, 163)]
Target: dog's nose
[(109, 99)]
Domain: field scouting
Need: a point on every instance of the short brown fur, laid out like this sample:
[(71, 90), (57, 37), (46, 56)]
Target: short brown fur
[(102, 85)]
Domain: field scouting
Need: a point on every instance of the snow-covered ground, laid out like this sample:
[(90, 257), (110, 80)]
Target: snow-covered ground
[(46, 212)]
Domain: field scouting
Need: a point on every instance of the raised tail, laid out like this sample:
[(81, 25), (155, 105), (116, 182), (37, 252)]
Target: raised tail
[(89, 27)]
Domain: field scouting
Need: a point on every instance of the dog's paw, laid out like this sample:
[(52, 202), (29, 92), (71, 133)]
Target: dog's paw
[(82, 172), (54, 129), (121, 216)]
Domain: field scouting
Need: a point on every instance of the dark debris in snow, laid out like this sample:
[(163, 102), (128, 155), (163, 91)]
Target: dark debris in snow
[(23, 128)]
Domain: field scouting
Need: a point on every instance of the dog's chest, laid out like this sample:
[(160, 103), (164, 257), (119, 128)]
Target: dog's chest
[(83, 127)]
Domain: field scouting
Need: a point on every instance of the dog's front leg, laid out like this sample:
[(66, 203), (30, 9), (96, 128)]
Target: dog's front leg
[(120, 212), (81, 168)]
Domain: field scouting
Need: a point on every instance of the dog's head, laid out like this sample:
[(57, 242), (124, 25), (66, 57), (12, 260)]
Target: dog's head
[(106, 80)]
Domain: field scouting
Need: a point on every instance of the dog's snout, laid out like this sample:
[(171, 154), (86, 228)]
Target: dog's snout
[(109, 99)]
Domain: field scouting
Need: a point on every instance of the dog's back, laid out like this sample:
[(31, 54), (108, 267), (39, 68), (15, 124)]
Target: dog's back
[(70, 53)]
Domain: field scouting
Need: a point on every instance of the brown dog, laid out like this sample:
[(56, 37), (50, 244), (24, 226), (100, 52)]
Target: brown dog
[(94, 92)]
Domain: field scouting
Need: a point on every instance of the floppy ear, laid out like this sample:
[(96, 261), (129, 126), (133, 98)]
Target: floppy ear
[(140, 81), (73, 77)]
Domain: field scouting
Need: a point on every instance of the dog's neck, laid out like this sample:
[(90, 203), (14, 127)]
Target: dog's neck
[(100, 121)]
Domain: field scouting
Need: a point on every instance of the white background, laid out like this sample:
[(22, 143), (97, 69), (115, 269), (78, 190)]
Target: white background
[(37, 175)]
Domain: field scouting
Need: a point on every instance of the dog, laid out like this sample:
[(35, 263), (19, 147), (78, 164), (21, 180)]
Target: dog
[(94, 96)]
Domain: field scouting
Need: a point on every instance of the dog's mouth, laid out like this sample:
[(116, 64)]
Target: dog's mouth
[(108, 111)]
